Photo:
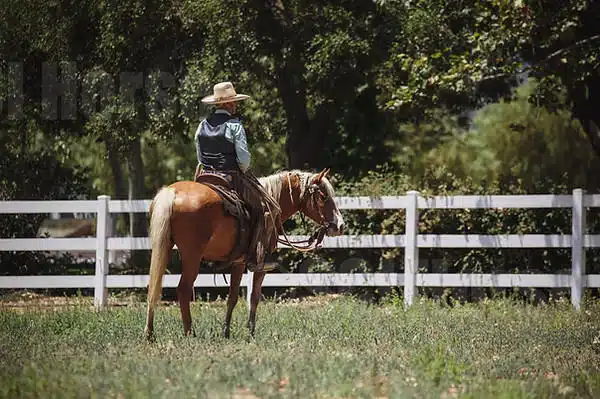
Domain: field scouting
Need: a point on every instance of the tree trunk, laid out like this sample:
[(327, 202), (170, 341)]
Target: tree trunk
[(120, 193), (586, 103), (302, 145), (585, 96), (117, 173), (138, 224)]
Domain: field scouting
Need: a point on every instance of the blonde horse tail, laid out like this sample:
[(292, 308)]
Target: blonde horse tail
[(161, 242)]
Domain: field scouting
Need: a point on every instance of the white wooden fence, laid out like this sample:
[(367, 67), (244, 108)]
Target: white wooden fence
[(578, 241)]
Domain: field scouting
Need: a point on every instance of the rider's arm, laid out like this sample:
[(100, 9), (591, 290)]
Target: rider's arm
[(197, 140), (241, 145)]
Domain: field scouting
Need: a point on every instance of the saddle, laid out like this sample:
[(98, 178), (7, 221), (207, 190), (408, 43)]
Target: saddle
[(215, 179), (234, 206)]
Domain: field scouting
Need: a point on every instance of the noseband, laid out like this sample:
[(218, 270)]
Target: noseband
[(312, 195)]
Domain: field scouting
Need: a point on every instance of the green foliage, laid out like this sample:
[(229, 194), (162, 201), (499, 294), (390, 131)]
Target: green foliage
[(442, 182), (346, 85), (320, 66), (535, 144), (429, 144), (565, 41), (32, 176), (308, 69), (322, 347), (515, 139), (442, 52)]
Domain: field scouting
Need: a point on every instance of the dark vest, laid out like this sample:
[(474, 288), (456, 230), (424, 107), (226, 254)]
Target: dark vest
[(216, 152)]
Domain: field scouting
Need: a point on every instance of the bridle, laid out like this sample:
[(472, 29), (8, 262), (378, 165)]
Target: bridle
[(311, 196)]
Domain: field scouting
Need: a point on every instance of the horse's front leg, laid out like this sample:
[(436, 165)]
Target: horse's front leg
[(254, 299), (234, 291)]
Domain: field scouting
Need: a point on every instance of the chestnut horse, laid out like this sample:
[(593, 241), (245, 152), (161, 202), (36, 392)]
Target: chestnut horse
[(191, 216)]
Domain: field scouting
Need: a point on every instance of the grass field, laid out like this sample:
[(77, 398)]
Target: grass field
[(321, 347)]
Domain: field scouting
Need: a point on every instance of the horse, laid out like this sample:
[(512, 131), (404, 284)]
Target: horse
[(191, 215)]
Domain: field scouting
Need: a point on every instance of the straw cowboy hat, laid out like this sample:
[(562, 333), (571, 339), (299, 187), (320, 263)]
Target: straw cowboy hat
[(224, 93)]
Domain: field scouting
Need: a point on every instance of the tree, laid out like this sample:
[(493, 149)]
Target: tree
[(448, 54), (103, 69), (516, 140), (308, 65), (564, 49), (460, 55), (134, 39)]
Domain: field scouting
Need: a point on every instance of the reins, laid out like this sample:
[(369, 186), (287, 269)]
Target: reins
[(312, 242)]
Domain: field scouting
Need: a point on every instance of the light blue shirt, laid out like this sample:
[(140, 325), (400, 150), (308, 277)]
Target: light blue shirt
[(236, 134)]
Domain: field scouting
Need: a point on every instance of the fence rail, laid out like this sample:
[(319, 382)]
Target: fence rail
[(412, 202)]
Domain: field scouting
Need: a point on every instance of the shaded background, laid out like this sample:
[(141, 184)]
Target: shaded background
[(461, 97)]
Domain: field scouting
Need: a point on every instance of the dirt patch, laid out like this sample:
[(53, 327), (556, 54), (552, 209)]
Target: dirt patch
[(31, 301), (312, 300), (34, 302), (244, 393)]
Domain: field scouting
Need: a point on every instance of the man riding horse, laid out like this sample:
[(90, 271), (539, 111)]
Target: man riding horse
[(222, 149)]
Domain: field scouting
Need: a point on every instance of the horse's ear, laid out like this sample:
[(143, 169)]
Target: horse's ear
[(321, 175)]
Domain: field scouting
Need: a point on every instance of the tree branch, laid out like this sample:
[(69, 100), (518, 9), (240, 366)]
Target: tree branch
[(569, 48), (545, 60)]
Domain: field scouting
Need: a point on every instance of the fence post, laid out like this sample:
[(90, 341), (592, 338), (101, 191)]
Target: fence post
[(102, 224), (249, 286), (411, 251), (577, 248)]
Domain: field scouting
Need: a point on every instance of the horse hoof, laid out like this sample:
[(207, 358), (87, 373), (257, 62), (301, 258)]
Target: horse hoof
[(251, 338)]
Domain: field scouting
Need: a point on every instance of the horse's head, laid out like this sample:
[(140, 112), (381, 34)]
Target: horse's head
[(318, 204)]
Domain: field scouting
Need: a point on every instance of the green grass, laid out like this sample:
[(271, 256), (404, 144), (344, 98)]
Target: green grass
[(339, 347)]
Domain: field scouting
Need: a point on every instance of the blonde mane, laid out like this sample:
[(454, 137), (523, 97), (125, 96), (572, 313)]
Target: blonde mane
[(273, 184)]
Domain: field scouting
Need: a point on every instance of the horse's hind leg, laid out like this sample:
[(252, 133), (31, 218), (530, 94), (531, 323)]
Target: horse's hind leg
[(237, 270), (185, 289)]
